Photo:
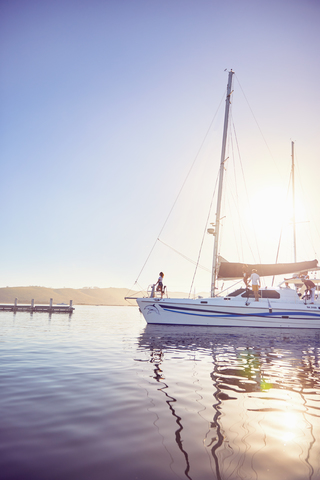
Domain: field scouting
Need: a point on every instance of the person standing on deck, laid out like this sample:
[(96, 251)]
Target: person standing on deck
[(159, 284), (245, 275), (256, 284)]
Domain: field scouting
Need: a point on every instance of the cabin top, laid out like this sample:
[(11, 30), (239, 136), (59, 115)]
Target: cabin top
[(272, 293)]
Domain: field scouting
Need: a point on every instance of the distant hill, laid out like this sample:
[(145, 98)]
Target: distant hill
[(81, 296)]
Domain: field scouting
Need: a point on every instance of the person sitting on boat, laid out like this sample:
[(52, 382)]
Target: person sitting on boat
[(159, 284), (310, 287), (256, 284)]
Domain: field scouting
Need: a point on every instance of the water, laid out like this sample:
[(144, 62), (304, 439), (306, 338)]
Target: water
[(101, 395)]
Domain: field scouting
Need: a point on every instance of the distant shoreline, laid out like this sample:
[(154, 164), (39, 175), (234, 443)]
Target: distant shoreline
[(80, 296)]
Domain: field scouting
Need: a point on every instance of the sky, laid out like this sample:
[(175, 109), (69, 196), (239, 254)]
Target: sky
[(110, 137)]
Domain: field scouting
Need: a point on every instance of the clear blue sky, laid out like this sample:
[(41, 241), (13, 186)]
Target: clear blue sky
[(104, 106)]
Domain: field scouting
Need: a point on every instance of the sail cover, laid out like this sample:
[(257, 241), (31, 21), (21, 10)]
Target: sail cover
[(229, 271)]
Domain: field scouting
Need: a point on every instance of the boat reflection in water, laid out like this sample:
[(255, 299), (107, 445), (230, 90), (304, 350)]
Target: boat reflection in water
[(235, 405)]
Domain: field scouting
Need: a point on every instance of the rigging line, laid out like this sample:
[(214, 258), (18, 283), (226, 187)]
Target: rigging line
[(305, 196), (239, 247), (223, 201), (185, 180), (224, 198), (184, 256), (246, 190), (278, 250), (132, 292), (205, 229), (312, 218), (311, 242), (265, 141), (235, 199), (135, 283)]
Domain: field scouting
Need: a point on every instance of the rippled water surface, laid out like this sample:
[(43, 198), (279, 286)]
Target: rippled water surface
[(100, 395)]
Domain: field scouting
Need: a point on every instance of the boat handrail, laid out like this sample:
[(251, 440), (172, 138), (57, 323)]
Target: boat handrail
[(152, 292)]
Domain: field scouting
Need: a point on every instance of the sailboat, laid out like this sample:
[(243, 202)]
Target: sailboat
[(279, 307)]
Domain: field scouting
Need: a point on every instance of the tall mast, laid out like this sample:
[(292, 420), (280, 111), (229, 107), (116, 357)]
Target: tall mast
[(215, 265), (293, 206)]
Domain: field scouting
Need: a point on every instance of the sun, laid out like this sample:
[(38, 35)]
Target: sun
[(269, 218)]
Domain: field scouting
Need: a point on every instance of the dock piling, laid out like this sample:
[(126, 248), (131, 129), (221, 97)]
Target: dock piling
[(38, 308)]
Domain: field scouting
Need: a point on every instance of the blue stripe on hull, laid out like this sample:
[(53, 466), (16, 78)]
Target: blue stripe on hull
[(202, 313)]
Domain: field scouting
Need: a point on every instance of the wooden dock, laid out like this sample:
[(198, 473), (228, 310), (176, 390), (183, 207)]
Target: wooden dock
[(37, 308)]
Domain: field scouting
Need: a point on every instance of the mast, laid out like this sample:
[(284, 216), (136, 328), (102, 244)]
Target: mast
[(293, 206), (215, 265)]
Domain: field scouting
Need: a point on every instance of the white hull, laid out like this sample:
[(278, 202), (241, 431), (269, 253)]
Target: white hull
[(230, 312)]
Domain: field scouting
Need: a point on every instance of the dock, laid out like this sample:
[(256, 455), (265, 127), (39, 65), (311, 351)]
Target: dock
[(37, 308)]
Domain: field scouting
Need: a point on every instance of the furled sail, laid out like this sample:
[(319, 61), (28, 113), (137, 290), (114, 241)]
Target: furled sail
[(229, 271)]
